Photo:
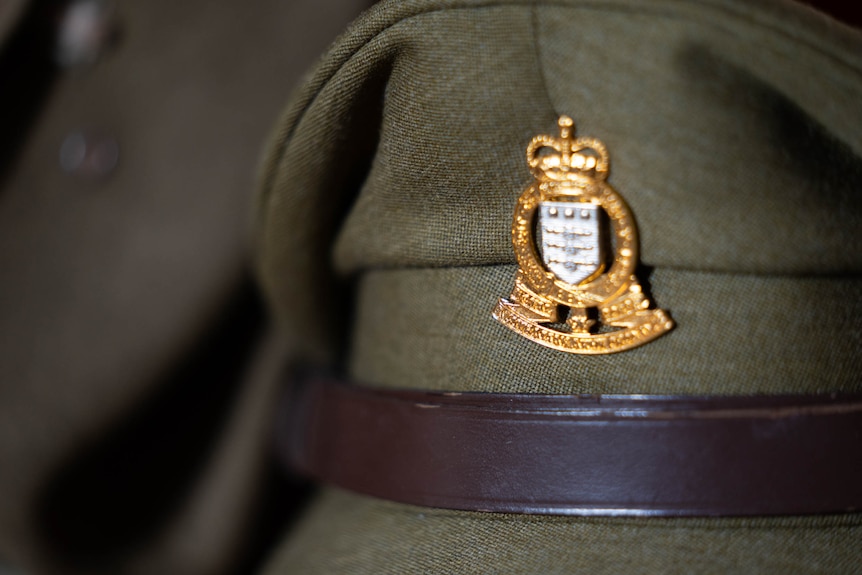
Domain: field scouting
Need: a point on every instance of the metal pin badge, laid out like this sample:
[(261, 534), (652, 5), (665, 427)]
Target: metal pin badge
[(576, 245)]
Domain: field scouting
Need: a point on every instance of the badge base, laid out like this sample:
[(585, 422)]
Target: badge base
[(646, 326)]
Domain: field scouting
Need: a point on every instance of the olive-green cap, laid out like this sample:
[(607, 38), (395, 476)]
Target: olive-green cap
[(384, 242)]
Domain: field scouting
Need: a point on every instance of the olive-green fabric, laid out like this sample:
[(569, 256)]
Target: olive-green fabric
[(429, 329), (735, 135), (346, 533), (723, 169)]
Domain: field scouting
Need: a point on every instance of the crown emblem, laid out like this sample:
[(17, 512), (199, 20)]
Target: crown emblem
[(577, 249)]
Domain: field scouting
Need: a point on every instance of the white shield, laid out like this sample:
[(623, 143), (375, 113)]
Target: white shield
[(569, 239)]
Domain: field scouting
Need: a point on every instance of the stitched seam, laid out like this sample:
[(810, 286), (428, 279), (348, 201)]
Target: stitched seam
[(534, 22)]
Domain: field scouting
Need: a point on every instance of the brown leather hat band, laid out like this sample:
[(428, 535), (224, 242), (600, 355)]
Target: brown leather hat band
[(582, 455)]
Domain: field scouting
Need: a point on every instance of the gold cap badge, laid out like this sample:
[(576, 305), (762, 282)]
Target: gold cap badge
[(577, 248)]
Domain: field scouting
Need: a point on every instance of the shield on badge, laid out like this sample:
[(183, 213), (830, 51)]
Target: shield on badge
[(570, 239)]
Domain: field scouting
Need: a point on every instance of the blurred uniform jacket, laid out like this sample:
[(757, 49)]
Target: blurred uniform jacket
[(136, 375)]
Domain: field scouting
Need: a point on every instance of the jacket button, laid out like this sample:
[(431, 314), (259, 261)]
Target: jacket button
[(90, 155), (86, 29)]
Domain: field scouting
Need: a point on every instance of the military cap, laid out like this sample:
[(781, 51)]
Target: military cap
[(385, 238)]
